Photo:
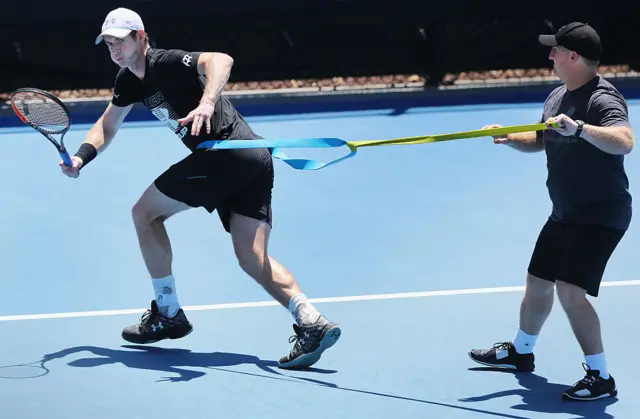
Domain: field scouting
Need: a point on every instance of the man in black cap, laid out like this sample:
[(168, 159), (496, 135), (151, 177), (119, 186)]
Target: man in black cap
[(591, 210)]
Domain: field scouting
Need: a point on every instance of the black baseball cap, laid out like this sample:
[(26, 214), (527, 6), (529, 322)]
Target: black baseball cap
[(578, 37)]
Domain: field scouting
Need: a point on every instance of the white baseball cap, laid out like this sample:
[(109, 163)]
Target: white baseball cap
[(119, 23)]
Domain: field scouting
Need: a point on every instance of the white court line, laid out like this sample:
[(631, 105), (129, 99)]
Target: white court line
[(370, 297)]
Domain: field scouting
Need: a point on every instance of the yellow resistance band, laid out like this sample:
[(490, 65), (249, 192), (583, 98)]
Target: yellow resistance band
[(304, 164)]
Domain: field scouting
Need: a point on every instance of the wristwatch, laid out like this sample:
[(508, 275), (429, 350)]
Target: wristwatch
[(579, 128)]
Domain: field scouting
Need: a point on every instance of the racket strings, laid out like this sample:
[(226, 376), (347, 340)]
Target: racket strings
[(42, 112)]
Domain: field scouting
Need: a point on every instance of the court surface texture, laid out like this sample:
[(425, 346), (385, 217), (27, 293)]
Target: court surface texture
[(419, 252)]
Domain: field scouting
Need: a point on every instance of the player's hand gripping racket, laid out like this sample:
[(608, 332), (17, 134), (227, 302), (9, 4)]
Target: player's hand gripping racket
[(46, 114)]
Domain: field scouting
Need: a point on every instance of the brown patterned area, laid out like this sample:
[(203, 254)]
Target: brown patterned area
[(372, 82)]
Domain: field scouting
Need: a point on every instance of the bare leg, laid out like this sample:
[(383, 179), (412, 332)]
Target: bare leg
[(585, 324), (250, 242), (582, 316), (165, 320), (535, 308), (315, 334), (536, 305), (149, 214)]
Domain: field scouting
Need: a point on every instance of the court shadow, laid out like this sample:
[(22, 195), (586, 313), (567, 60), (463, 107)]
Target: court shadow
[(181, 364), (541, 396), (185, 365)]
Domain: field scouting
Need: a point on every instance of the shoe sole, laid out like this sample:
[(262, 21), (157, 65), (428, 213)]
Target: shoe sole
[(567, 396), (328, 340), (146, 342), (510, 367)]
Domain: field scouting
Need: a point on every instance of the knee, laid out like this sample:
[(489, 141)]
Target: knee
[(538, 288), (138, 213), (570, 295), (142, 214), (250, 259)]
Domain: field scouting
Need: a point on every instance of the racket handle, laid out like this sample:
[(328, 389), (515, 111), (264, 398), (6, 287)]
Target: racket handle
[(66, 158)]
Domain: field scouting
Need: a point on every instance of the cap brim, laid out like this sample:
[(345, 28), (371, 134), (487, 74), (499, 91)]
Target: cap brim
[(117, 32), (548, 40)]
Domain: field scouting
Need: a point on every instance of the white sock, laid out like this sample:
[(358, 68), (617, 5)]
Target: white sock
[(302, 310), (166, 297), (598, 362), (523, 342)]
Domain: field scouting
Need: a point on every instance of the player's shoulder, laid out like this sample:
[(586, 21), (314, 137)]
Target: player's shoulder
[(603, 83), (555, 95), (156, 54), (159, 56), (558, 92), (605, 90)]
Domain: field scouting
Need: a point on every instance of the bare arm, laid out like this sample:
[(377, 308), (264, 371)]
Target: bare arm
[(216, 67), (102, 132), (609, 128), (612, 140), (105, 129), (526, 142)]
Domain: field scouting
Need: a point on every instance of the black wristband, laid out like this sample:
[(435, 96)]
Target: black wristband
[(86, 152), (579, 128)]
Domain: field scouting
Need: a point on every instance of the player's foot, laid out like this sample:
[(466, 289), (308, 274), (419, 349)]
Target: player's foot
[(153, 327), (591, 387), (503, 355), (310, 342)]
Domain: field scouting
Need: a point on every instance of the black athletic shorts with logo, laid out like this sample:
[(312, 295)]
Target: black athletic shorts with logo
[(574, 253), (228, 181)]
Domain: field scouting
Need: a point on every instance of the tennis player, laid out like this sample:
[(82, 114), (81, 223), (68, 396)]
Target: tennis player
[(184, 91), (591, 209)]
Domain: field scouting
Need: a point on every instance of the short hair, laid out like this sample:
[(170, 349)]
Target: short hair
[(134, 34), (590, 63)]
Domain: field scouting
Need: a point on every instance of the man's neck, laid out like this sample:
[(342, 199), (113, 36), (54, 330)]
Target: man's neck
[(580, 79), (141, 64)]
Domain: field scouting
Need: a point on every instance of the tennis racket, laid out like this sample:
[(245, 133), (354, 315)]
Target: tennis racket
[(46, 114)]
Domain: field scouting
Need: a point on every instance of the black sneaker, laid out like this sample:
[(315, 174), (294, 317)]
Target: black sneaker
[(310, 342), (153, 327), (591, 387), (504, 355)]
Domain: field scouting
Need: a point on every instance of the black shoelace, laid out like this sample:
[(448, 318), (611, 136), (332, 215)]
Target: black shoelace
[(300, 338), (591, 377), (147, 319), (501, 345)]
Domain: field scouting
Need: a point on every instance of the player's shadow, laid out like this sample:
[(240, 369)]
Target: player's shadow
[(541, 396), (185, 365), (179, 364)]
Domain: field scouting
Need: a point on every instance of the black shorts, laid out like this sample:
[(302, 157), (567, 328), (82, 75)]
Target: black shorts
[(574, 253), (227, 181)]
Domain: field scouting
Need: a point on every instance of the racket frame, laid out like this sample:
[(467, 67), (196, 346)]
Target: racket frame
[(59, 145)]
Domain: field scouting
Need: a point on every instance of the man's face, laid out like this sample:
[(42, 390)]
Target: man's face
[(124, 51), (563, 60)]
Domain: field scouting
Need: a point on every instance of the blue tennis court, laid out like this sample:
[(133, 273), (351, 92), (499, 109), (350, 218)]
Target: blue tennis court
[(418, 251)]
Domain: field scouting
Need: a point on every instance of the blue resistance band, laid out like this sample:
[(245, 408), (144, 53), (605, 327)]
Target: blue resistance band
[(276, 144)]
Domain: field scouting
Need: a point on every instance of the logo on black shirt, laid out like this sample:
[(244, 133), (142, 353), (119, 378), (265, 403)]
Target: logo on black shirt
[(165, 113)]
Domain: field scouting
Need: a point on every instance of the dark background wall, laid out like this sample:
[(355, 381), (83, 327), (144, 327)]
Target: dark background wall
[(51, 44)]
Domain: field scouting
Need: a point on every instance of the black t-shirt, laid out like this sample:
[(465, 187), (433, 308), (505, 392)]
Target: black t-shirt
[(586, 184), (170, 89)]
